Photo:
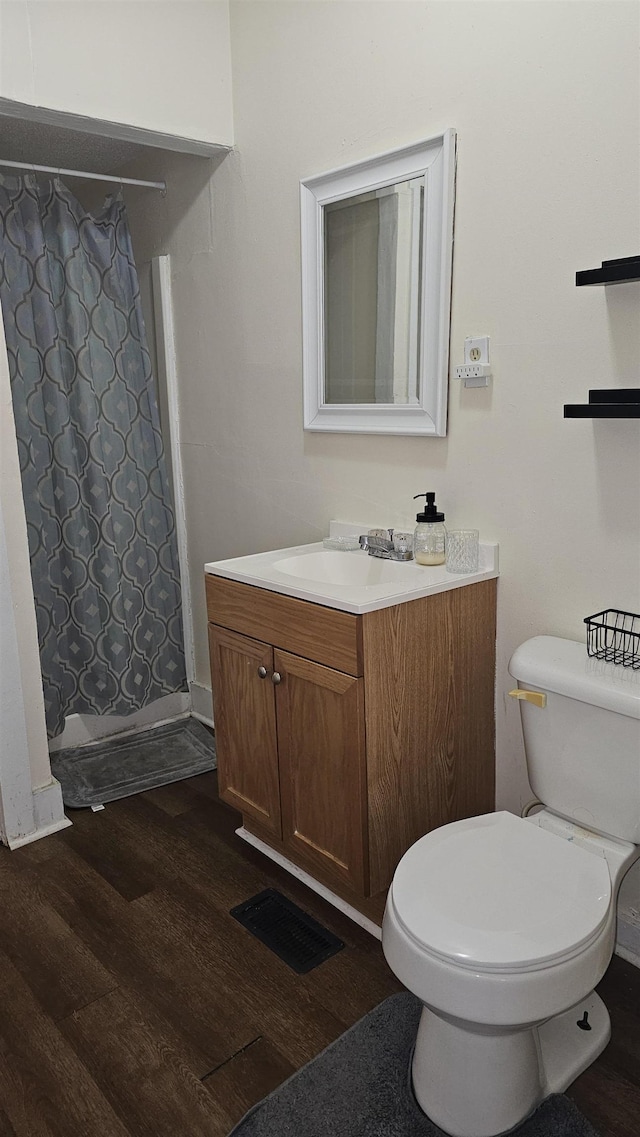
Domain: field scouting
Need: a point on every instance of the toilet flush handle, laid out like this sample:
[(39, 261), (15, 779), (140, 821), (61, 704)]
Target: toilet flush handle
[(538, 698)]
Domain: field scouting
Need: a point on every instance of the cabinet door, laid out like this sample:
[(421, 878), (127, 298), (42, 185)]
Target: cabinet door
[(244, 713), (322, 768)]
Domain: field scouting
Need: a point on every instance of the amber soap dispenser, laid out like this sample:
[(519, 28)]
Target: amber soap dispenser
[(430, 535)]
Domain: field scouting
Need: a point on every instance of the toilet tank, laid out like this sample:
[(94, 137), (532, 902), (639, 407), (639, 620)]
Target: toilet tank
[(583, 747)]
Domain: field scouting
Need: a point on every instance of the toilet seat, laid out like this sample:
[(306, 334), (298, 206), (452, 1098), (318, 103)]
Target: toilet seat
[(495, 893)]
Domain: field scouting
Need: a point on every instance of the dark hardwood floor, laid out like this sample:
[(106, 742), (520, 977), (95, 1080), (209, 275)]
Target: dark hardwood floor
[(133, 1005)]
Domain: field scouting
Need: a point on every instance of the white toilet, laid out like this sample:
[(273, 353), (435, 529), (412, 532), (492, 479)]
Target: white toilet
[(502, 926)]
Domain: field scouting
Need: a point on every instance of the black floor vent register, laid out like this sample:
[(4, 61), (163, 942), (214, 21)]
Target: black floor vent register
[(294, 936)]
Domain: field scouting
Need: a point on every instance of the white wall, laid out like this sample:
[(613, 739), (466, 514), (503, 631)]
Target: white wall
[(544, 97), (19, 619), (30, 799), (14, 750), (161, 65)]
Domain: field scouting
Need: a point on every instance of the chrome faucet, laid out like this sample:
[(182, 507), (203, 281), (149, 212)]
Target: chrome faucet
[(383, 546)]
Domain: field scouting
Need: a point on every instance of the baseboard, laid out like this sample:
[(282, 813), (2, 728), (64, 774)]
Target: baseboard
[(48, 815), (311, 882)]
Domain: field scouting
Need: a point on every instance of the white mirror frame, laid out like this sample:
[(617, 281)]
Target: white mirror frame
[(433, 158)]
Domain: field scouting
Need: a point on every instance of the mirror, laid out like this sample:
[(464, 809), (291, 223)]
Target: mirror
[(376, 262)]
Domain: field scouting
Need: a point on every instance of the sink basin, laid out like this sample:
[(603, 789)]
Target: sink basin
[(351, 581), (348, 569)]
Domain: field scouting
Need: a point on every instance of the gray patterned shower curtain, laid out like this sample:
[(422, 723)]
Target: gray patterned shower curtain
[(102, 541)]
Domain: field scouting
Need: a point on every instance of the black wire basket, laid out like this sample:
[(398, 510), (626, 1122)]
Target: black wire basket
[(614, 636)]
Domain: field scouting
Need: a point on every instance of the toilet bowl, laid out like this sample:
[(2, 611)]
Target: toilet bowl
[(502, 926)]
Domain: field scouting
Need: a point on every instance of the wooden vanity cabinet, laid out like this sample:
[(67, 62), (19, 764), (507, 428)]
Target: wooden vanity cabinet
[(344, 738)]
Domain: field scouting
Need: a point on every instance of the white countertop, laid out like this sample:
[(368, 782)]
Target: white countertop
[(405, 580)]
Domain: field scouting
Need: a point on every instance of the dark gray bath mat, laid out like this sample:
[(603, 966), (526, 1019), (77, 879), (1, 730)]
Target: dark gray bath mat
[(359, 1087), (106, 771)]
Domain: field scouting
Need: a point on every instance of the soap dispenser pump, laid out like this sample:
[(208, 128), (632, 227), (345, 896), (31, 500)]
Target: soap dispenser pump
[(430, 535)]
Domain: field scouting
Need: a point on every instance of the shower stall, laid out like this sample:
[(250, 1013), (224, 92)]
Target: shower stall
[(101, 475), (82, 729)]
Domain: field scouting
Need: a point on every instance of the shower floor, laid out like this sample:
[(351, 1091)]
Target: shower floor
[(102, 772)]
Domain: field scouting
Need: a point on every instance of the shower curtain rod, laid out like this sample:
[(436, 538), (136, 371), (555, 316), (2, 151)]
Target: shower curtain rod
[(82, 174)]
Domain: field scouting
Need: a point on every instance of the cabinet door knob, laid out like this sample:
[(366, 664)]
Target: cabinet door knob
[(262, 672), (276, 677)]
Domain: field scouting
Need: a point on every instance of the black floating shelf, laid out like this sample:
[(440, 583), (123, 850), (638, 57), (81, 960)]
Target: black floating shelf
[(612, 272), (623, 402)]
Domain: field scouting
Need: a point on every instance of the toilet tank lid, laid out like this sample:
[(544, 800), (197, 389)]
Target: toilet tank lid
[(564, 668)]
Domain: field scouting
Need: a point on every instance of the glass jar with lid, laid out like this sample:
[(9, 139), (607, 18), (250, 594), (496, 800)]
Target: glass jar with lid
[(430, 535)]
